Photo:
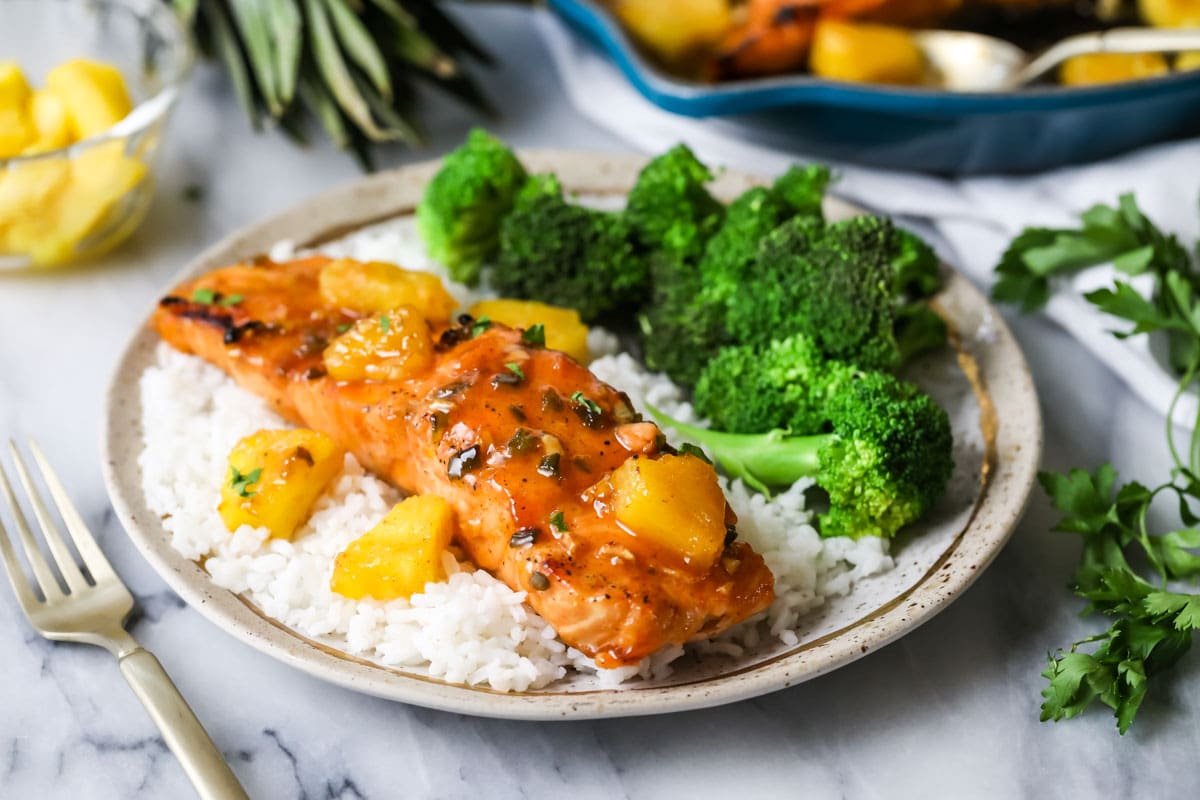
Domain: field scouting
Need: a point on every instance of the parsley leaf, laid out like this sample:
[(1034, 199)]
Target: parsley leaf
[(480, 325), (515, 369), (580, 399), (232, 300), (241, 482), (206, 296), (385, 323), (689, 449), (556, 519), (534, 335)]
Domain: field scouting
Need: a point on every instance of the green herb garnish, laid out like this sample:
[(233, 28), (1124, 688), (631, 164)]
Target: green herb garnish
[(480, 325), (534, 335), (345, 326), (588, 410), (591, 405), (241, 482), (689, 449), (206, 296), (385, 323), (556, 519), (515, 369), (1129, 557), (232, 300)]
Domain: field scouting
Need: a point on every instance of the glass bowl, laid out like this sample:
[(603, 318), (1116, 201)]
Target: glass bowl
[(78, 201)]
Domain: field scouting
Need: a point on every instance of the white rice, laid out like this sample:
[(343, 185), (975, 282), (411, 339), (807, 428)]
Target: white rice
[(471, 629)]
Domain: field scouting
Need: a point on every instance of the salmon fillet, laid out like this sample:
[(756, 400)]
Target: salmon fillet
[(447, 431)]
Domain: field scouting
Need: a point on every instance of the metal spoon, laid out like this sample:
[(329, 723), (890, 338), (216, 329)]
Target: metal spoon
[(973, 62)]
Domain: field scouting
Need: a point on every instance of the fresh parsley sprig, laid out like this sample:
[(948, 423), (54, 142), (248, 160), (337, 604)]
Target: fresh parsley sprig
[(1151, 622)]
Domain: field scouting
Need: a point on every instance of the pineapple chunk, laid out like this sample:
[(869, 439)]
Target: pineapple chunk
[(1098, 68), (52, 204), (14, 89), (49, 117), (16, 127), (93, 93), (1187, 61), (373, 286), (866, 53), (564, 330), (674, 501), (391, 346), (274, 478), (1170, 13), (400, 555), (675, 29)]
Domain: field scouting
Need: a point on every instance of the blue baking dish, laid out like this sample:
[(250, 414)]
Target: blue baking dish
[(913, 128)]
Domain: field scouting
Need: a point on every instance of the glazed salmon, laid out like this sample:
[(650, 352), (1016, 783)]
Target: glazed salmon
[(469, 431)]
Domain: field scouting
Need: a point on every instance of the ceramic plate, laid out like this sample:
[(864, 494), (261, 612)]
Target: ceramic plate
[(983, 382)]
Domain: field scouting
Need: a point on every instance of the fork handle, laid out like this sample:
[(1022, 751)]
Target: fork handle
[(201, 760)]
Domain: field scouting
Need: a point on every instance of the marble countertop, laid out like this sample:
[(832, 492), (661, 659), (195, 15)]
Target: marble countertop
[(950, 710)]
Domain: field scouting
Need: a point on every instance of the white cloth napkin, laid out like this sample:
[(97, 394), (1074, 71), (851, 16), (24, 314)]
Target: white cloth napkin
[(972, 218)]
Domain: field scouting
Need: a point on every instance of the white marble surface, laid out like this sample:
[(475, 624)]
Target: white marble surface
[(949, 711)]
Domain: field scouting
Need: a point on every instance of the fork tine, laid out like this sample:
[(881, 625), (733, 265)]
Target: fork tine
[(16, 575), (58, 548), (85, 542), (41, 570)]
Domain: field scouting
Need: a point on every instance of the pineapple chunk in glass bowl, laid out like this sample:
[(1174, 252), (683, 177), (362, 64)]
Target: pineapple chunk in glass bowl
[(86, 87)]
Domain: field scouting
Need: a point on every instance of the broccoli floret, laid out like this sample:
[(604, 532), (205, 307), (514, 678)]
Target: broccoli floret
[(567, 255), (683, 326), (886, 461), (918, 329), (729, 255), (803, 188), (669, 206), (787, 385), (830, 282), (460, 213), (840, 284), (915, 269), (680, 331)]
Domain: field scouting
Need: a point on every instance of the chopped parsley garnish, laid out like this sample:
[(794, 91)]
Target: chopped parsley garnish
[(482, 324), (689, 449), (241, 482), (385, 323), (534, 335), (591, 405), (232, 300), (556, 519), (206, 296), (515, 369), (345, 326), (588, 410)]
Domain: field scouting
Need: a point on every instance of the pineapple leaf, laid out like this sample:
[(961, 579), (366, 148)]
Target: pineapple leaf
[(359, 46), (252, 20), (287, 29), (336, 72), (226, 44)]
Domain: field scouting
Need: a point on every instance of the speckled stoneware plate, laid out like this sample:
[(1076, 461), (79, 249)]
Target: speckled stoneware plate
[(983, 382)]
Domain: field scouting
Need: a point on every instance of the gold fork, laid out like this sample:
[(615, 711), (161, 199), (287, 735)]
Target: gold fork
[(93, 610)]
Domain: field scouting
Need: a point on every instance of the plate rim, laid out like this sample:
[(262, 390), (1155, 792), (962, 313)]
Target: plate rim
[(1002, 365)]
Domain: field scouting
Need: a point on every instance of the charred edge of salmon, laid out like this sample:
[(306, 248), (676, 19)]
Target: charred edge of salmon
[(217, 317)]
